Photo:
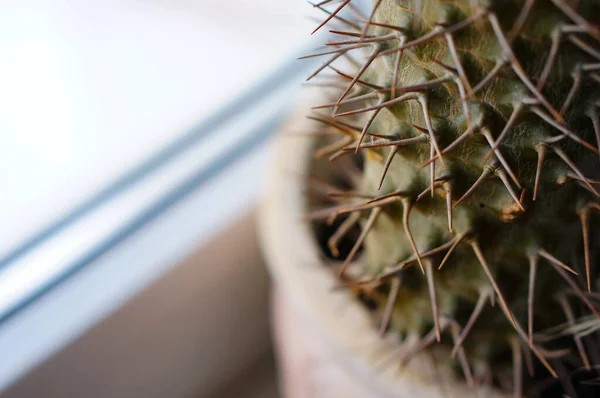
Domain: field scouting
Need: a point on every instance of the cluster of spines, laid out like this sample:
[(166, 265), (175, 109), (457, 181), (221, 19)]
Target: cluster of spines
[(494, 164)]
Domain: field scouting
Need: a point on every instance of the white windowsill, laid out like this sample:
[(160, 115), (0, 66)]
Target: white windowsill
[(88, 94)]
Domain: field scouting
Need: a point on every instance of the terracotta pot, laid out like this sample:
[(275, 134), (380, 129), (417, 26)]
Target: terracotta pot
[(326, 341)]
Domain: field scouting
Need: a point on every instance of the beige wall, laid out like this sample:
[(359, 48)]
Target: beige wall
[(186, 335)]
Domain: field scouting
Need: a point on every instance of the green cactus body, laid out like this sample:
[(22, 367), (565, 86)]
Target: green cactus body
[(479, 142)]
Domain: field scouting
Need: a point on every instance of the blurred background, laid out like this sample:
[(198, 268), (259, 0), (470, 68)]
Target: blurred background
[(134, 140)]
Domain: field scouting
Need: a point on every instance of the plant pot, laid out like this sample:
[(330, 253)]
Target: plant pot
[(326, 341)]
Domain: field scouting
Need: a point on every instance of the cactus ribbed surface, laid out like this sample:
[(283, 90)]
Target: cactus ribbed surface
[(478, 132)]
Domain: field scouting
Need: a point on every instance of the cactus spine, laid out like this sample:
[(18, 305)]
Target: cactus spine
[(478, 131)]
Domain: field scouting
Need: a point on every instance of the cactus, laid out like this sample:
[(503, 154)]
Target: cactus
[(477, 131)]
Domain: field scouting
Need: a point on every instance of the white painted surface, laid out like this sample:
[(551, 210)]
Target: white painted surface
[(89, 92), (91, 88)]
